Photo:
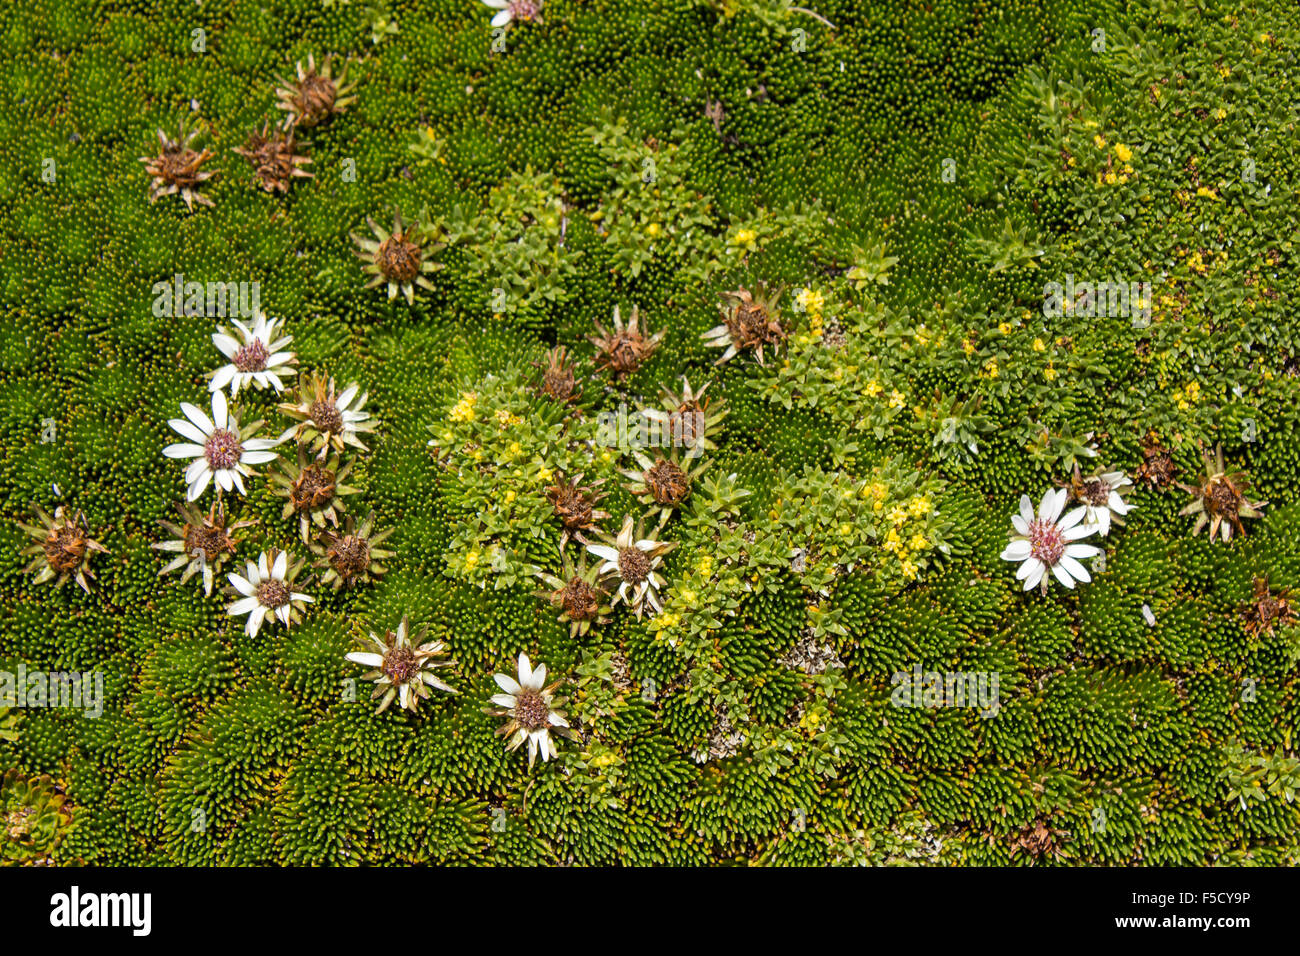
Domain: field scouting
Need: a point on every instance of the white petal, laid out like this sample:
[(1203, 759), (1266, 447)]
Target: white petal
[(1020, 524), (242, 606), (507, 683), (1017, 550), (1078, 531), (199, 485), (188, 430), (1071, 519), (241, 585), (1082, 550), (1029, 568), (220, 411), (183, 450), (199, 417), (1076, 570), (1063, 576), (1026, 509), (222, 377), (525, 670), (369, 660), (504, 700), (226, 344)]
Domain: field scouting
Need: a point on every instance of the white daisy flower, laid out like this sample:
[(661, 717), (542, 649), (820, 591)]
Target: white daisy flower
[(524, 11), (1046, 542), (220, 451), (1102, 496), (532, 708), (634, 560), (267, 589), (401, 671), (253, 361)]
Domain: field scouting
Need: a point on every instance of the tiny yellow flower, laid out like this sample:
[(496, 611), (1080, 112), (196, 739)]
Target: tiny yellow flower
[(1039, 345), (897, 515), (918, 542), (463, 411), (471, 559), (744, 237), (897, 399), (873, 389), (810, 300), (1004, 328), (1100, 141), (510, 497), (919, 506), (1123, 152), (1049, 373)]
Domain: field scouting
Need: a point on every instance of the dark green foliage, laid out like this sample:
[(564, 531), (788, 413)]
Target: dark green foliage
[(912, 177)]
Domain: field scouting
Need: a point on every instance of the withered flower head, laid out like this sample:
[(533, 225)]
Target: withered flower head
[(176, 168), (1157, 469), (662, 482), (314, 96), (577, 594), (401, 258), (558, 381), (327, 419), (63, 547), (750, 320), (313, 490), (351, 556), (575, 506), (688, 419), (277, 158), (204, 542), (1040, 840), (623, 350), (1220, 499), (1267, 610)]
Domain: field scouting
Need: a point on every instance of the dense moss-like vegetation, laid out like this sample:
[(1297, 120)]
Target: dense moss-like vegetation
[(914, 196)]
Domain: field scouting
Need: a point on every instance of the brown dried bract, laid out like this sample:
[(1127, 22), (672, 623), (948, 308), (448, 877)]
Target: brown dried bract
[(277, 158)]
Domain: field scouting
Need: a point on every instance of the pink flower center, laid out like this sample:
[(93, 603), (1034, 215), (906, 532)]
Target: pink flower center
[(223, 449), (252, 357), (1046, 541), (525, 9)]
